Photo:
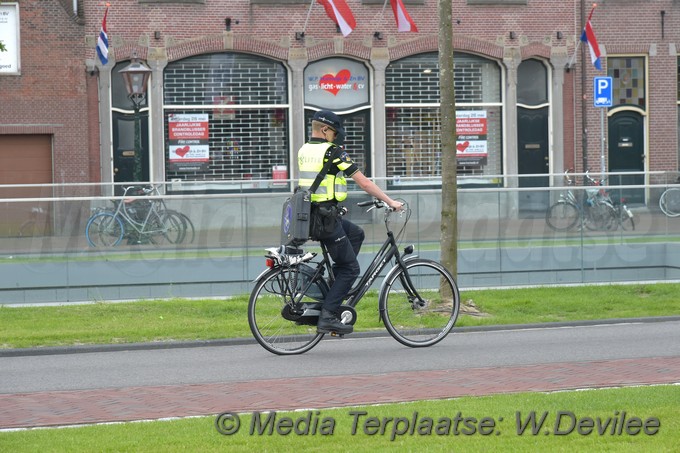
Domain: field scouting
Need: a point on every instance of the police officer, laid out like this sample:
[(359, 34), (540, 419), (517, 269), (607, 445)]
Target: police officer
[(344, 242)]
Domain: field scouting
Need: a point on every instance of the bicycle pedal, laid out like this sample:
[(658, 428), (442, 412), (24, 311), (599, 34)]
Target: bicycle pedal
[(338, 335)]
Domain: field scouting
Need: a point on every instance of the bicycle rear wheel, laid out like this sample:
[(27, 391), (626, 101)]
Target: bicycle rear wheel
[(670, 202), (562, 216), (104, 230), (422, 312), (276, 321)]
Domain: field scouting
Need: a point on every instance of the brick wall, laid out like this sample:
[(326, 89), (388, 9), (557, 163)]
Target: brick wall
[(51, 94), (55, 93)]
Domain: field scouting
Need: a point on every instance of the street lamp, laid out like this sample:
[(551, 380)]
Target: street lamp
[(136, 76)]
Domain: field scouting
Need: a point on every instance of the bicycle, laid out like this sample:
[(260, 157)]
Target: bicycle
[(418, 300), (596, 212), (565, 213), (669, 202), (138, 219), (609, 214)]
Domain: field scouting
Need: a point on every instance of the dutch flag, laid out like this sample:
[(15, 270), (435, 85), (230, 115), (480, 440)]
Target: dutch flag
[(588, 37), (103, 42)]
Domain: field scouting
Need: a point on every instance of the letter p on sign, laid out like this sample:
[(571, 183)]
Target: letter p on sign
[(602, 96)]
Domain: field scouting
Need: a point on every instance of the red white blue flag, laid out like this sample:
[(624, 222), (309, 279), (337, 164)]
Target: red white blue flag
[(103, 41), (340, 13), (404, 21), (588, 37)]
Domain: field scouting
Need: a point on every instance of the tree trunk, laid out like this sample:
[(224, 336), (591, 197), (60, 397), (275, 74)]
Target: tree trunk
[(449, 221)]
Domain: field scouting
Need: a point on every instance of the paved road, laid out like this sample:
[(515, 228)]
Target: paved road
[(126, 385)]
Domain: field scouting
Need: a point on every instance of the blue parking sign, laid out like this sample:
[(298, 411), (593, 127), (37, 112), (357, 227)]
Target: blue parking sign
[(602, 92)]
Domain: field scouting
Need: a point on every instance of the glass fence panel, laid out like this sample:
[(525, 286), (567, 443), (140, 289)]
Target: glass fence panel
[(67, 243)]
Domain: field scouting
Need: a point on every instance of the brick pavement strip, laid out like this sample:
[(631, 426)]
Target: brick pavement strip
[(25, 410)]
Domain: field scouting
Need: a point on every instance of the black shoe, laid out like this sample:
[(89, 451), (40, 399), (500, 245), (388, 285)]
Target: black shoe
[(330, 323)]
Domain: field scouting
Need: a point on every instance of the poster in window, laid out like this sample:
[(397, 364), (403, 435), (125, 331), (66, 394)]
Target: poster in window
[(188, 148), (471, 137)]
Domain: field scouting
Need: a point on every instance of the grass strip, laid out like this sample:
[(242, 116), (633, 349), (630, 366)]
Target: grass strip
[(185, 320), (602, 420)]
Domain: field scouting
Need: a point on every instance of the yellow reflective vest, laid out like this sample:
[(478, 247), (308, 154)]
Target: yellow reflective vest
[(311, 159)]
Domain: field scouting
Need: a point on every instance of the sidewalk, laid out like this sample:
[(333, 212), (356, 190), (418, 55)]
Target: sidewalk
[(138, 403)]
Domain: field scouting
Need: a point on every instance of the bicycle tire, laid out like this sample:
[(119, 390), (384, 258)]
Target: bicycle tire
[(104, 230), (562, 216), (188, 231), (417, 324), (271, 299), (627, 222), (174, 228), (600, 217), (670, 202)]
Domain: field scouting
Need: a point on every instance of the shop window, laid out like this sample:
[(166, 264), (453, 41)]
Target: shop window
[(343, 86), (413, 123), (236, 107), (628, 81)]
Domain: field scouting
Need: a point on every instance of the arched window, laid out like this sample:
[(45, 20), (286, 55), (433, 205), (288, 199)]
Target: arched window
[(413, 123), (226, 118), (343, 86)]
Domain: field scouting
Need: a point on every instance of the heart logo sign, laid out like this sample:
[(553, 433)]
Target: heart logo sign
[(462, 146), (181, 152), (334, 83)]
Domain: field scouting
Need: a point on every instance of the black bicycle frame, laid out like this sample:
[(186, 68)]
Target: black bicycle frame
[(387, 252)]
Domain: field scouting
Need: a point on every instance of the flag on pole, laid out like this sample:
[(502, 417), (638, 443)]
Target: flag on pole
[(103, 41), (588, 37), (340, 13), (404, 21)]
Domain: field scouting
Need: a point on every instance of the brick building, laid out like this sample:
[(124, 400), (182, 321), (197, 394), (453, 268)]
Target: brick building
[(234, 82)]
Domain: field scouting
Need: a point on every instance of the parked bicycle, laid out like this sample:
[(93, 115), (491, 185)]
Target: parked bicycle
[(418, 300), (596, 211), (565, 213), (611, 214), (670, 201), (138, 219)]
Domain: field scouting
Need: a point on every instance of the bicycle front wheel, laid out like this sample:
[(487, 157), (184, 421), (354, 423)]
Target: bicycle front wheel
[(104, 230), (670, 202), (188, 232), (562, 216), (419, 306), (626, 218), (275, 311)]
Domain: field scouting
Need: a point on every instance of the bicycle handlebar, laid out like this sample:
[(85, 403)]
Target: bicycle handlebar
[(374, 202), (143, 189)]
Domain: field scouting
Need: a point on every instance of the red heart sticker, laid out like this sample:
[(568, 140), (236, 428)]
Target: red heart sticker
[(333, 83), (181, 152), (462, 146)]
